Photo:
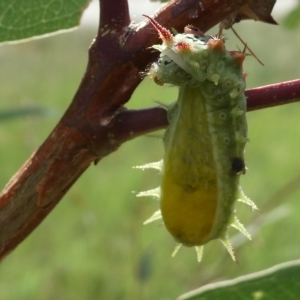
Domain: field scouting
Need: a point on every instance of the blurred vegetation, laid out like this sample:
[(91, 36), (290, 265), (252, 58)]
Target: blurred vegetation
[(93, 245), (292, 20)]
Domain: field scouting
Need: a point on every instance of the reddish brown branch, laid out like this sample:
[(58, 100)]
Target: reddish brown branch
[(96, 123), (273, 95), (114, 14), (138, 122)]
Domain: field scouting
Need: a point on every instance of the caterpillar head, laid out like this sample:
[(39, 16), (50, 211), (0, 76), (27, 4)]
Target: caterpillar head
[(191, 57)]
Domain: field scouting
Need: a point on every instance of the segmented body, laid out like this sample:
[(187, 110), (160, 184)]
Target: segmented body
[(205, 141)]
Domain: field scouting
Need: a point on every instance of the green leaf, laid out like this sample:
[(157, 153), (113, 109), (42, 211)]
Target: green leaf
[(22, 19), (277, 283), (292, 20)]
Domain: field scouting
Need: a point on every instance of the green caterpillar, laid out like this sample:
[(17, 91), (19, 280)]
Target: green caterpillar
[(204, 143)]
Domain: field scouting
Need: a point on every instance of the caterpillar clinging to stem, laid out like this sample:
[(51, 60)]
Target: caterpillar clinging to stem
[(204, 143)]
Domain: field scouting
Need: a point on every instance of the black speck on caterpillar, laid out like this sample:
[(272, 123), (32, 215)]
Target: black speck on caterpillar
[(205, 141)]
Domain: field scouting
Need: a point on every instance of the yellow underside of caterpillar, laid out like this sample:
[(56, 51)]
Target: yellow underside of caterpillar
[(188, 214)]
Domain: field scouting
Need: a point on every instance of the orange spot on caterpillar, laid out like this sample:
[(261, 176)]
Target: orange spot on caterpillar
[(183, 46), (239, 57), (216, 44), (164, 33)]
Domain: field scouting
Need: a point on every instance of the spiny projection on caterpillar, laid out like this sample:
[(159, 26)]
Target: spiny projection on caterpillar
[(204, 143)]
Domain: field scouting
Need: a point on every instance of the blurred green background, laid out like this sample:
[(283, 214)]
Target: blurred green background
[(93, 245)]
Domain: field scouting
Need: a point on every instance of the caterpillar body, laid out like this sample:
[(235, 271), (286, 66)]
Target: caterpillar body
[(204, 143)]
